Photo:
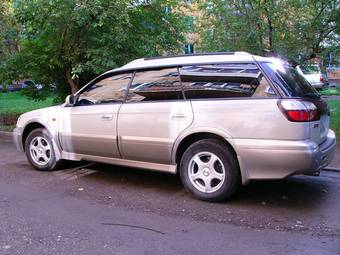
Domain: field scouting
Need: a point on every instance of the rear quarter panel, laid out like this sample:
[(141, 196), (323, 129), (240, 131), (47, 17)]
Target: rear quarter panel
[(247, 119)]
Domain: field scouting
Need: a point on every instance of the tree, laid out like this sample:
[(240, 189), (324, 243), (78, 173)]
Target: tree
[(9, 31), (9, 40), (298, 30), (68, 42)]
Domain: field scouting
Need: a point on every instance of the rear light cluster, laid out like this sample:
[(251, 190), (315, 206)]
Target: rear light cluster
[(299, 111), (322, 79)]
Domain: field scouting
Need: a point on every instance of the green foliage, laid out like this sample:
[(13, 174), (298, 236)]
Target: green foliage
[(9, 31), (68, 42), (298, 30), (32, 93), (331, 91), (335, 116)]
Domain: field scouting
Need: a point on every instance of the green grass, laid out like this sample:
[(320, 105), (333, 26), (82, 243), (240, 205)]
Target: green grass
[(15, 102), (331, 91), (12, 104), (335, 116)]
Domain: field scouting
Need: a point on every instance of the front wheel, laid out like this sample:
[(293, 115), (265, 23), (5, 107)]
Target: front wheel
[(209, 170), (39, 150)]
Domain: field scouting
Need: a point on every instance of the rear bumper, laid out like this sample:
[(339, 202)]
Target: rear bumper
[(17, 138), (277, 159)]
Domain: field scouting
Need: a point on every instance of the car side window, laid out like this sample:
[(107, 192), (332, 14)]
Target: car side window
[(155, 85), (224, 81), (108, 90)]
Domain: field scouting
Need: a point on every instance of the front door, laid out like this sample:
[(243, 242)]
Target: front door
[(89, 127)]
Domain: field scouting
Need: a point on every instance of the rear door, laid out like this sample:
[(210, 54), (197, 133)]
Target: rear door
[(153, 116), (319, 129)]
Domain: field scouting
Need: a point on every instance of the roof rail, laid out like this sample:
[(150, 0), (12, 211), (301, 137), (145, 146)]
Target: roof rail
[(198, 54)]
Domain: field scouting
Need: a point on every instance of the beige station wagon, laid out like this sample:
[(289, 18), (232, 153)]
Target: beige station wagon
[(218, 119)]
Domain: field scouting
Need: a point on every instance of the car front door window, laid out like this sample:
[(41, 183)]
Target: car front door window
[(108, 90)]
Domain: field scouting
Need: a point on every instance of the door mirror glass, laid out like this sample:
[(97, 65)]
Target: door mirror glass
[(69, 101)]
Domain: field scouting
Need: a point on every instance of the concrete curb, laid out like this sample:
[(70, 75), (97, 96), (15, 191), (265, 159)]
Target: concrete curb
[(6, 135)]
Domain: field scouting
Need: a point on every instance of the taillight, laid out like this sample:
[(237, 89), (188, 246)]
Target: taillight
[(299, 111), (322, 79)]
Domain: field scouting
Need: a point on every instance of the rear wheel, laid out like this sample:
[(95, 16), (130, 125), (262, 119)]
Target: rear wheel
[(209, 170), (39, 150)]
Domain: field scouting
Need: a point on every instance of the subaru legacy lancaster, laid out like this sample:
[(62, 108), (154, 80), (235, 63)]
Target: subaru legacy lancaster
[(219, 120)]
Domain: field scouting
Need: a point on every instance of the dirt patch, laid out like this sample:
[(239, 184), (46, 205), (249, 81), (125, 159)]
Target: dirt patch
[(8, 121)]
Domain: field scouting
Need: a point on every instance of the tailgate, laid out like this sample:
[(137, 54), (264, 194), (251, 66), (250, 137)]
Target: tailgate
[(319, 129)]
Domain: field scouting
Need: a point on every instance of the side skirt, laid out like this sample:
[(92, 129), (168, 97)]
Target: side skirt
[(121, 162)]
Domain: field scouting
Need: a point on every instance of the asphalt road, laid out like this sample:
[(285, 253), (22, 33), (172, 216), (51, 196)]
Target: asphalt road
[(101, 209)]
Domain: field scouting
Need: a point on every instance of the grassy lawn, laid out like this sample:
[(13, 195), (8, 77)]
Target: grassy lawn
[(14, 102), (335, 116), (331, 91)]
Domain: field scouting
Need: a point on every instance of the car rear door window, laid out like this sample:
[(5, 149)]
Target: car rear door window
[(155, 85), (224, 81)]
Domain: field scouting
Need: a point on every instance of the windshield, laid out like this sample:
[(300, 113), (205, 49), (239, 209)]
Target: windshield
[(289, 79)]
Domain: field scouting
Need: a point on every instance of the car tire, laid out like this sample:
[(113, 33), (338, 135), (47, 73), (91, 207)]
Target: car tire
[(39, 150), (209, 170)]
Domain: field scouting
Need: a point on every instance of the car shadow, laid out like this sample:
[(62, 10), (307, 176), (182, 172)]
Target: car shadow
[(293, 192)]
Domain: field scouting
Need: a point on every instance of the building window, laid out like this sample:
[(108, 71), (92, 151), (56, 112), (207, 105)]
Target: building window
[(188, 48), (168, 9)]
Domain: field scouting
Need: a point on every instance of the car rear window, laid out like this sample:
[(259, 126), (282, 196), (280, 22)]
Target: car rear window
[(224, 81), (288, 79)]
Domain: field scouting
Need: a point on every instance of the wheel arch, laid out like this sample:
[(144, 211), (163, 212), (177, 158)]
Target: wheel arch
[(28, 129), (182, 144), (191, 138), (35, 124)]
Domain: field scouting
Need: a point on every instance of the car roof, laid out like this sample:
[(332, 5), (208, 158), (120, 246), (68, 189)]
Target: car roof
[(189, 59)]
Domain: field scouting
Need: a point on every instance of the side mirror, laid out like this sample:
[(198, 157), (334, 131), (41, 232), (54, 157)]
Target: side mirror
[(70, 100)]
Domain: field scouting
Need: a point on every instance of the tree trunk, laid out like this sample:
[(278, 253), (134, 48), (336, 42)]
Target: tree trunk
[(73, 84), (270, 33)]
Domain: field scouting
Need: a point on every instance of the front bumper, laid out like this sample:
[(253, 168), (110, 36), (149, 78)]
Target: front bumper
[(277, 159), (17, 138)]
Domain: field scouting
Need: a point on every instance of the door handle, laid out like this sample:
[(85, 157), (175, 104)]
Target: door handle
[(178, 116), (107, 117)]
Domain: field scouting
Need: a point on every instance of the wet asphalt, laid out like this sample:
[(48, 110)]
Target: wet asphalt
[(101, 209)]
